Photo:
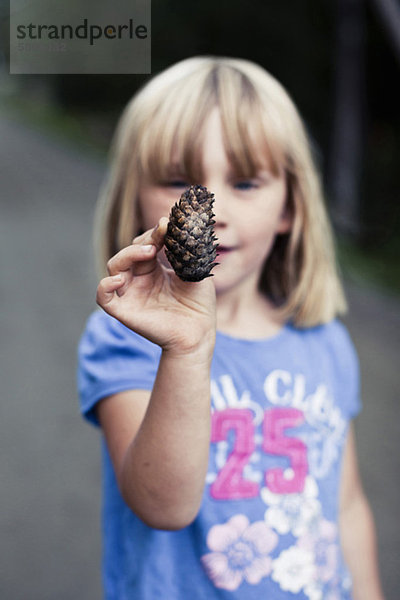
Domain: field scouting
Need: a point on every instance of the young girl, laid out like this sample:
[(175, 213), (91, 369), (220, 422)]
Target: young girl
[(229, 461)]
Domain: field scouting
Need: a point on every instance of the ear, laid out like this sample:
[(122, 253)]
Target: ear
[(286, 220)]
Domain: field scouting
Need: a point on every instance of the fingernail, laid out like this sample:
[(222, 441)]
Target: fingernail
[(147, 248), (117, 278), (156, 227)]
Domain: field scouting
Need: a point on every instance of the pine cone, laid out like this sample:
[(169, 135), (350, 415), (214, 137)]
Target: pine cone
[(190, 238)]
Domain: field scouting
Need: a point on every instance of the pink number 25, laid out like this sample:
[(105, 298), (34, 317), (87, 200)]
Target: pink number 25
[(230, 483)]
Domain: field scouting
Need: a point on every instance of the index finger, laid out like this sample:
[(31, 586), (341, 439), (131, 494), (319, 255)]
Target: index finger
[(127, 257)]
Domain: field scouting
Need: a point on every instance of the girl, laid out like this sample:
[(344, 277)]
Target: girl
[(229, 461)]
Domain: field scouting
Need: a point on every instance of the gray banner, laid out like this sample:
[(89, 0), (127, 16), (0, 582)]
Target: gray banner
[(97, 36)]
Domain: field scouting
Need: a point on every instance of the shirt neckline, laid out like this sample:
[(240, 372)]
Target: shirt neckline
[(281, 333)]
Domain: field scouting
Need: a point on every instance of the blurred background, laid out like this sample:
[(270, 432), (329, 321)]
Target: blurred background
[(340, 60)]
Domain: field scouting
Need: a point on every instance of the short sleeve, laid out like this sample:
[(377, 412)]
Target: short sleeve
[(112, 359), (346, 364)]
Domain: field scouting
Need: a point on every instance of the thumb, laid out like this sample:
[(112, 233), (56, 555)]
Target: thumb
[(153, 236), (107, 288)]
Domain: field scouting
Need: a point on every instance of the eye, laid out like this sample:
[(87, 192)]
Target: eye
[(176, 183), (245, 185)]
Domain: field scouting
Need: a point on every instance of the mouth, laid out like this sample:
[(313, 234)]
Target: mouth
[(225, 250)]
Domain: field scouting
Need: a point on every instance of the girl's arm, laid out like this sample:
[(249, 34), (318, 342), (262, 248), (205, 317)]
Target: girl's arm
[(159, 440), (357, 529)]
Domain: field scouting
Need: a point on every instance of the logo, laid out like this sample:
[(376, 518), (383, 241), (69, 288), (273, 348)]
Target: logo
[(85, 31)]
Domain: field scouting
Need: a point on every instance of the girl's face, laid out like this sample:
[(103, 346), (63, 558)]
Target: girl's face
[(249, 212)]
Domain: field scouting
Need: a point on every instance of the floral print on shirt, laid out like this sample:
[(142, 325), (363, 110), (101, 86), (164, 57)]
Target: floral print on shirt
[(240, 551), (292, 513)]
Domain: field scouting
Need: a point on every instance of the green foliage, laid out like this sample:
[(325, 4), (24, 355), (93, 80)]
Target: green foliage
[(378, 267)]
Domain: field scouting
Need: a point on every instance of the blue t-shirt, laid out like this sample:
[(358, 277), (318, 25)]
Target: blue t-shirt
[(268, 523)]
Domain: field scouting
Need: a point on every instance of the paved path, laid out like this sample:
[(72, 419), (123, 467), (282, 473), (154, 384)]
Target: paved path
[(49, 460)]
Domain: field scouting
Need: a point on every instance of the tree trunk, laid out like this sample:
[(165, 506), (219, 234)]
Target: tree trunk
[(344, 179)]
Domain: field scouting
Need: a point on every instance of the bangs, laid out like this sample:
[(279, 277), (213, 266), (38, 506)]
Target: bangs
[(252, 140), (171, 138)]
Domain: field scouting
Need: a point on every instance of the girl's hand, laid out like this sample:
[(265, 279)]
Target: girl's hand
[(150, 299)]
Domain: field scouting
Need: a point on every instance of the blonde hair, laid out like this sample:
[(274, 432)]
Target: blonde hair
[(260, 122)]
